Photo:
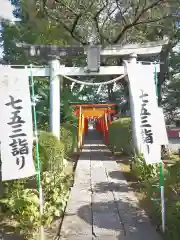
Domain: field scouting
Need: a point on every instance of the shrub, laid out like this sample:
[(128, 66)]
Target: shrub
[(120, 136), (56, 188), (173, 220), (143, 171), (52, 152), (69, 137), (20, 200), (23, 208)]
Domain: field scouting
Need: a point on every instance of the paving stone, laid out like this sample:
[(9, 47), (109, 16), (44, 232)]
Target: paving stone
[(75, 225), (100, 198), (76, 237), (107, 223), (102, 206), (80, 194), (141, 231), (106, 237), (73, 207)]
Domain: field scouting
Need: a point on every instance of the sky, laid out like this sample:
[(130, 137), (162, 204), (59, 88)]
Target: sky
[(6, 10)]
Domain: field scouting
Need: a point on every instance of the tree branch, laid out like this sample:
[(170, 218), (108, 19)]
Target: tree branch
[(121, 12), (96, 20), (108, 16), (136, 20), (69, 30), (67, 7), (101, 36)]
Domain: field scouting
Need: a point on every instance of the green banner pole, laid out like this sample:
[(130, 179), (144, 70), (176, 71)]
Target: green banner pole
[(161, 167), (38, 167)]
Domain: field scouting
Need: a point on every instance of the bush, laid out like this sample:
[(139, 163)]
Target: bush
[(20, 200), (143, 171), (120, 136), (172, 191), (51, 150), (173, 220), (69, 137)]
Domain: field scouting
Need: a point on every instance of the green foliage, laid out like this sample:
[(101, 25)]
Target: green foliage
[(99, 18), (52, 152), (20, 199), (120, 136), (173, 220), (22, 205), (173, 178), (69, 136), (23, 208), (56, 189), (142, 170), (172, 204)]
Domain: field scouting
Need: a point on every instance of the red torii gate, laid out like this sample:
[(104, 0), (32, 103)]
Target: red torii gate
[(102, 115)]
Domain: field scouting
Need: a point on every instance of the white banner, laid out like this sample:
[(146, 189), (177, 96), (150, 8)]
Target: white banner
[(144, 103), (161, 128), (16, 125)]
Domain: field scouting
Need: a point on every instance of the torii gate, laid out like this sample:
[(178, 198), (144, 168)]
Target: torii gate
[(56, 71), (101, 113)]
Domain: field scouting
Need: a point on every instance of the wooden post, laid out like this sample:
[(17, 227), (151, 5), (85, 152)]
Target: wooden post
[(82, 129), (106, 128), (79, 127)]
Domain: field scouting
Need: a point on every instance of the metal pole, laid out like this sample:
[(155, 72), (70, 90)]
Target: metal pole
[(161, 167), (55, 98)]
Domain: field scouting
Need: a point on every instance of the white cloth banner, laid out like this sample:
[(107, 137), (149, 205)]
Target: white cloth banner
[(16, 125), (144, 103), (161, 128)]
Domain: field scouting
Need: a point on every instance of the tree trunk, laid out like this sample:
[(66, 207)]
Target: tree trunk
[(164, 68)]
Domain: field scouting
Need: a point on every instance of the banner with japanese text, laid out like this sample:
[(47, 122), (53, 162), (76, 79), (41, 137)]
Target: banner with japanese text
[(16, 127), (145, 108)]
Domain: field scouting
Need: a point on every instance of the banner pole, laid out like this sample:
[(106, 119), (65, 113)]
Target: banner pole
[(37, 154), (161, 167)]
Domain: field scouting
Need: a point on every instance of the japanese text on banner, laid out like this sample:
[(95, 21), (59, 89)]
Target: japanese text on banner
[(16, 128)]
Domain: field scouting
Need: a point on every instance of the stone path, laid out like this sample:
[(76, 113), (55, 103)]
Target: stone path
[(101, 204)]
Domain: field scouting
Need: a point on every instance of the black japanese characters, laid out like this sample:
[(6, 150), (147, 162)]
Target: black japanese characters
[(19, 142), (146, 128)]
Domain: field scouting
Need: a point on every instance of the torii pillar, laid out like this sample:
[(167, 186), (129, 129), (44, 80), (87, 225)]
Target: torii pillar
[(55, 93)]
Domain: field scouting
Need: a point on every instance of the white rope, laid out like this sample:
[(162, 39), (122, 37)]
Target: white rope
[(94, 84)]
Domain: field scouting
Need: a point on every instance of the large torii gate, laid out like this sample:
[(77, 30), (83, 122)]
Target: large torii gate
[(56, 71)]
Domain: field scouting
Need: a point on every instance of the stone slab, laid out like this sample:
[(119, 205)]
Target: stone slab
[(102, 206), (75, 225), (76, 237), (107, 223)]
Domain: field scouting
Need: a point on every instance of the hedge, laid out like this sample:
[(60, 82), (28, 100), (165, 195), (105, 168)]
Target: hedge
[(69, 137), (120, 136), (19, 198)]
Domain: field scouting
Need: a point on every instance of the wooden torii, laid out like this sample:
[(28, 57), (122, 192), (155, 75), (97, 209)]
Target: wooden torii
[(100, 113)]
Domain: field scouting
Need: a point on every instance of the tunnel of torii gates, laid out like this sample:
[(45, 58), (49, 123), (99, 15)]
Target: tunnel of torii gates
[(101, 114)]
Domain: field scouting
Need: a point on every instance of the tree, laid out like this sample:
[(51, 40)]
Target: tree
[(25, 30), (64, 22), (171, 88), (109, 21)]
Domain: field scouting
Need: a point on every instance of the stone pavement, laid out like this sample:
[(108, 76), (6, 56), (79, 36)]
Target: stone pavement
[(101, 205)]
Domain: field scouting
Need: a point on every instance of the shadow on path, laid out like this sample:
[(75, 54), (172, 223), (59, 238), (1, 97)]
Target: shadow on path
[(126, 220)]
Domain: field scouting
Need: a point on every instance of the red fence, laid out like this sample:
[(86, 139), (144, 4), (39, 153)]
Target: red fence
[(173, 133)]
